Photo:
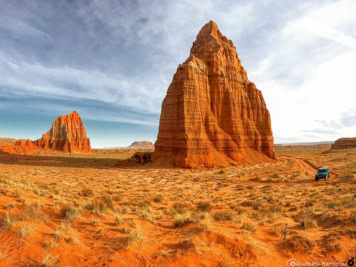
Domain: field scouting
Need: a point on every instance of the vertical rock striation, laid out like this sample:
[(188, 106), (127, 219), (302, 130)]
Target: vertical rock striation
[(212, 115), (67, 134)]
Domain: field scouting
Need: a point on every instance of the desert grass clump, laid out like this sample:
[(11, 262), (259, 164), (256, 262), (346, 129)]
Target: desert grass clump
[(222, 216), (70, 213), (4, 179), (118, 220), (179, 207), (299, 243), (7, 222), (33, 210), (133, 235), (180, 220), (116, 198), (203, 206), (207, 224), (307, 222), (53, 243), (305, 218), (248, 226), (57, 235), (309, 203), (157, 199), (332, 204), (86, 192), (73, 240), (99, 206), (47, 260), (24, 231), (108, 200)]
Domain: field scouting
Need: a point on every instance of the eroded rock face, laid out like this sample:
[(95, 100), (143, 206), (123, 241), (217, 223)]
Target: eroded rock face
[(67, 134), (21, 147), (212, 114), (344, 143)]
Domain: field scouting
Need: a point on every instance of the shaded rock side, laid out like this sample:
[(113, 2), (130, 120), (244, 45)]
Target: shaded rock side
[(344, 143), (67, 134), (212, 115)]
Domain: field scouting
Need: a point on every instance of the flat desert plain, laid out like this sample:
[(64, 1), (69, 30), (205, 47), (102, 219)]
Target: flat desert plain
[(95, 209)]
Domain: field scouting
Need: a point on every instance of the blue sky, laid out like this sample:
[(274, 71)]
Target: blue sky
[(113, 61)]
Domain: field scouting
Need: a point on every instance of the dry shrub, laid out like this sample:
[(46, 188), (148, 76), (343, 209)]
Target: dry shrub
[(133, 235), (7, 222), (332, 204), (248, 226), (157, 199), (99, 206), (180, 220), (305, 218), (299, 243), (222, 216), (118, 220), (179, 208), (203, 206), (24, 231), (69, 212), (87, 192), (108, 200), (33, 210)]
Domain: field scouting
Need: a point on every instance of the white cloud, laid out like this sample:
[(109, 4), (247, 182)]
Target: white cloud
[(36, 79)]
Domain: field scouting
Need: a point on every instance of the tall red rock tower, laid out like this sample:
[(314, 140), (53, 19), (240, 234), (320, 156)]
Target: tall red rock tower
[(212, 115), (67, 134)]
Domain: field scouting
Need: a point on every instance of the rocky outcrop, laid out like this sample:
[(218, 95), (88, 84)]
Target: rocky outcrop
[(67, 134), (344, 143), (212, 114), (21, 147), (142, 144), (7, 141)]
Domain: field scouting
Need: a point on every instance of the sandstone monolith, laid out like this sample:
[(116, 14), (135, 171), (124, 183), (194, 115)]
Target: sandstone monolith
[(212, 115)]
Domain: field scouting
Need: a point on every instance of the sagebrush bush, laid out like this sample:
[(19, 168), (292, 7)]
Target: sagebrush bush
[(203, 206), (180, 220), (179, 207), (69, 212), (222, 216), (87, 192)]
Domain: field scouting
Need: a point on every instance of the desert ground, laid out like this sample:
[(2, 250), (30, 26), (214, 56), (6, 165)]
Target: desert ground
[(96, 209)]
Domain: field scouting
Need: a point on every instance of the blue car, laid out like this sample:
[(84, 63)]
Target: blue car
[(323, 173)]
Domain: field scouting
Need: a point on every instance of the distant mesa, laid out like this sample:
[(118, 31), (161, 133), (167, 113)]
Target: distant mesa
[(66, 135), (212, 115), (142, 144), (322, 144), (344, 143)]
